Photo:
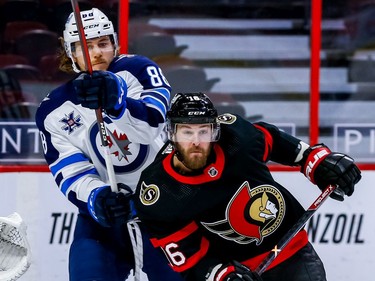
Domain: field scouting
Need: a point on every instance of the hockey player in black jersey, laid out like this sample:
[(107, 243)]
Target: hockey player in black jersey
[(210, 203)]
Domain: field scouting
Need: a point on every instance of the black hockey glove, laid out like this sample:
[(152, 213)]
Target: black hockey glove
[(233, 271), (110, 208), (101, 89), (323, 167)]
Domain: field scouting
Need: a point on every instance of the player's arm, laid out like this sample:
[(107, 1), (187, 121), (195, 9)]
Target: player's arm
[(79, 180), (187, 251), (183, 245), (134, 94), (318, 163), (74, 173), (147, 99)]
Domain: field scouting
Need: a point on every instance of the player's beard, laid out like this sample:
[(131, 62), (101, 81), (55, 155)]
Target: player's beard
[(193, 162)]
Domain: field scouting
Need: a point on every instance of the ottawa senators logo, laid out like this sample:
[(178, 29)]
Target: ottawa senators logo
[(227, 118), (250, 215), (149, 194)]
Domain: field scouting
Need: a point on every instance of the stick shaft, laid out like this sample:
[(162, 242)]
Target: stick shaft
[(296, 228), (98, 111)]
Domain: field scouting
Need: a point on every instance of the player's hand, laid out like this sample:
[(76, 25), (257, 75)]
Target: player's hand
[(233, 271), (324, 167), (101, 89), (110, 208)]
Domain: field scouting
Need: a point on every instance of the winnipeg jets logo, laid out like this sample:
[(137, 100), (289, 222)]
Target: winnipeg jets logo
[(71, 122), (126, 156), (119, 144), (263, 210)]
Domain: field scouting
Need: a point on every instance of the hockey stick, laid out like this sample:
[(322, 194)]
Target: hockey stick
[(98, 111), (104, 138), (15, 255), (295, 229)]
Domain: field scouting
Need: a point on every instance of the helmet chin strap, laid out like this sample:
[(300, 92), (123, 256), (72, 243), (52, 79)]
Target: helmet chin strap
[(75, 68)]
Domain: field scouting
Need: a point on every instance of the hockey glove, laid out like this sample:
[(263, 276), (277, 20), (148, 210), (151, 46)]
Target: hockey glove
[(110, 208), (101, 89), (233, 271), (323, 167)]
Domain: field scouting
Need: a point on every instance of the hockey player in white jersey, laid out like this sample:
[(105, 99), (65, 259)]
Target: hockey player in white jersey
[(134, 96)]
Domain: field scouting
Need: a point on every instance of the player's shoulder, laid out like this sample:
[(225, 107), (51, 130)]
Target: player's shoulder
[(234, 126), (129, 63), (233, 121), (54, 100), (227, 118), (155, 171), (157, 164)]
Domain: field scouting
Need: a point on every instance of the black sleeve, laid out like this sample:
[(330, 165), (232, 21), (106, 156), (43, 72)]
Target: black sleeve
[(284, 148)]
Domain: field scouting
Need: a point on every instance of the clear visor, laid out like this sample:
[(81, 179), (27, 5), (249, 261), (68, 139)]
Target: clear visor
[(103, 45), (198, 133)]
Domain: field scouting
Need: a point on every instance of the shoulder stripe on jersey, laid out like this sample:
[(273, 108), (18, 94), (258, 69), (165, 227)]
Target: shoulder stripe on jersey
[(268, 142), (177, 236), (162, 94), (158, 97), (155, 103)]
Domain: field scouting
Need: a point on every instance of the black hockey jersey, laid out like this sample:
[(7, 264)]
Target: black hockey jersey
[(232, 210)]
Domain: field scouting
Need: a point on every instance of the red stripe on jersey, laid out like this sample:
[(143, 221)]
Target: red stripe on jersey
[(195, 258), (297, 242), (175, 238), (268, 141), (206, 176)]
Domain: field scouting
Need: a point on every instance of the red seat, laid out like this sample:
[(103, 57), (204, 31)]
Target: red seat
[(9, 59), (23, 72), (21, 110), (12, 101), (14, 29), (37, 43)]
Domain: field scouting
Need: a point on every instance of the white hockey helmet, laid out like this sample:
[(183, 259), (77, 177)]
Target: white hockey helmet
[(95, 24)]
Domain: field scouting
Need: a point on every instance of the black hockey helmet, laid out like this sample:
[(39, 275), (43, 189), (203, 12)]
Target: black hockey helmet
[(192, 108)]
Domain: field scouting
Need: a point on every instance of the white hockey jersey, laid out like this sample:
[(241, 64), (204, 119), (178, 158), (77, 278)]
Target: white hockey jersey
[(71, 139)]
